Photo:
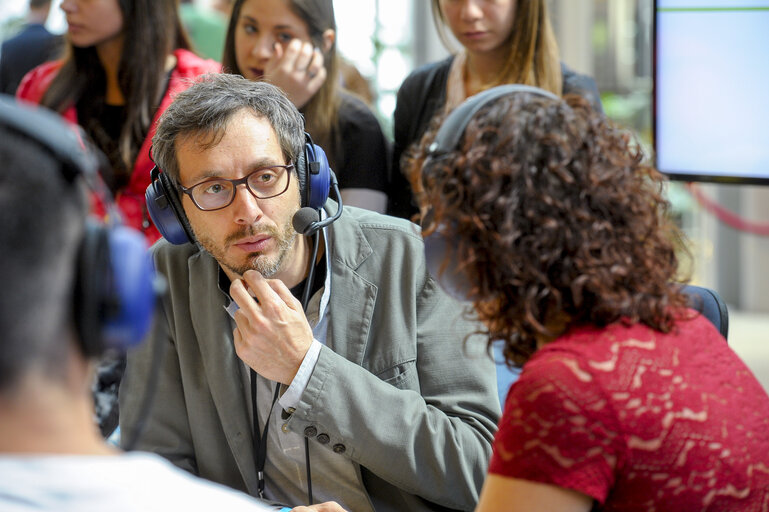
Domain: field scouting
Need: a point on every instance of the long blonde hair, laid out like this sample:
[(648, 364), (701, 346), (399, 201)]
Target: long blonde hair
[(533, 57)]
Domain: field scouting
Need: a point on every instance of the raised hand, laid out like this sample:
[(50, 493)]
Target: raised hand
[(297, 69), (272, 334)]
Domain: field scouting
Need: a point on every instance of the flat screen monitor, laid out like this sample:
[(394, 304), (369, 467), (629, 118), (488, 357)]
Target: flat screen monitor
[(711, 90)]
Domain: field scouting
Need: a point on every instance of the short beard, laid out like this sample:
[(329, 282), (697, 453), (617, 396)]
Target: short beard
[(256, 260), (264, 266)]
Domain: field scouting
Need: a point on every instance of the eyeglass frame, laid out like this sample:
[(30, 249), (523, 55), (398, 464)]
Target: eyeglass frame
[(235, 184)]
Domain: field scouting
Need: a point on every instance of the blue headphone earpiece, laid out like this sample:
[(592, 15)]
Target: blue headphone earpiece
[(114, 293), (314, 174), (440, 253), (166, 211)]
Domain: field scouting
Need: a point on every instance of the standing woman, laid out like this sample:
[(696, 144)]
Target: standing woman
[(124, 60), (503, 42), (292, 44)]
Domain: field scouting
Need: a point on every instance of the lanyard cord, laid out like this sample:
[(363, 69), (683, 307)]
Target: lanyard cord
[(260, 439)]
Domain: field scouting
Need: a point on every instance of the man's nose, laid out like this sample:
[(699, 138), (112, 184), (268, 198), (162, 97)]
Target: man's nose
[(245, 206)]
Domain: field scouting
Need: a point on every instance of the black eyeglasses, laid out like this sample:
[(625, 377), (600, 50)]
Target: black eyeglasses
[(218, 193)]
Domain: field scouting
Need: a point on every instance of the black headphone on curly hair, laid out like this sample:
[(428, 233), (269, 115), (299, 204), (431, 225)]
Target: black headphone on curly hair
[(439, 249), (114, 292)]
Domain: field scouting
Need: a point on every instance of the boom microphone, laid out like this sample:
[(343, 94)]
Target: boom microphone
[(304, 219), (307, 220)]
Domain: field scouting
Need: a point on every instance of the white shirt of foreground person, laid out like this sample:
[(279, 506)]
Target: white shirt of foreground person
[(129, 482)]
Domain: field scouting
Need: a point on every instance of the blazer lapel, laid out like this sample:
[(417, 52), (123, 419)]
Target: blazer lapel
[(352, 297), (222, 366)]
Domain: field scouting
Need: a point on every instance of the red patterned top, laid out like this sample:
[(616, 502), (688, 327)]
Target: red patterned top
[(640, 420)]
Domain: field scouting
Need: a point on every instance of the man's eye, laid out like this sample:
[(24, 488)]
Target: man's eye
[(214, 188)]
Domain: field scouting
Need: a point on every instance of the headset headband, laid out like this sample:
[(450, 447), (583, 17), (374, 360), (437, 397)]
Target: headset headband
[(453, 127)]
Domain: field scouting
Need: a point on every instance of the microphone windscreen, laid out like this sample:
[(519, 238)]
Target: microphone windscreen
[(304, 218)]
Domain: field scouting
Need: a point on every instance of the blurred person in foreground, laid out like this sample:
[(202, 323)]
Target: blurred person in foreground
[(124, 61), (54, 265), (552, 224)]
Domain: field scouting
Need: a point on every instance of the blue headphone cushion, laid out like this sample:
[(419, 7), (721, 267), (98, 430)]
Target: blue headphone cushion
[(319, 176), (131, 264), (166, 211)]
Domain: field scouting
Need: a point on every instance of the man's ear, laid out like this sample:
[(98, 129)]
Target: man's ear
[(329, 36)]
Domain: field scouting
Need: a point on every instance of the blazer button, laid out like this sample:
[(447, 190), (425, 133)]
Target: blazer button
[(310, 431), (284, 428), (339, 448), (323, 438)]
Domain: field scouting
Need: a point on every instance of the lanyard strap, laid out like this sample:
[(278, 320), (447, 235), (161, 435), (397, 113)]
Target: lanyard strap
[(260, 439)]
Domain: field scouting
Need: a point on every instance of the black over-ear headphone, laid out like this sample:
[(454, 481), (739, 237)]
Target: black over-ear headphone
[(453, 127), (439, 249), (114, 295), (166, 211)]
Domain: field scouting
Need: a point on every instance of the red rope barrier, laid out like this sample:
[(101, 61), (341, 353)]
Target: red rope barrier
[(728, 217)]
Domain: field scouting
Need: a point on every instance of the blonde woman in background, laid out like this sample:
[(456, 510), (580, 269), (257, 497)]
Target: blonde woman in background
[(502, 42)]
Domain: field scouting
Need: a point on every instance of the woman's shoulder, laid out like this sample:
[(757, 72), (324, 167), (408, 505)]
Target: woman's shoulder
[(189, 64), (353, 110), (36, 81), (429, 75)]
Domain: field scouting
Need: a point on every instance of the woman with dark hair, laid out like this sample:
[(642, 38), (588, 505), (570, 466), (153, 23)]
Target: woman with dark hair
[(502, 42), (292, 44), (557, 231), (124, 61)]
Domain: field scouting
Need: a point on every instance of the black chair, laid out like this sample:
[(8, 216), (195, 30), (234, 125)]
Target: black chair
[(711, 305), (701, 299)]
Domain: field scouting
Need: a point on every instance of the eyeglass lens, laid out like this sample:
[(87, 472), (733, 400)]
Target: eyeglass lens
[(263, 183)]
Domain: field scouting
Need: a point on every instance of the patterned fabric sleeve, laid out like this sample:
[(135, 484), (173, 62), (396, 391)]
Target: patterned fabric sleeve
[(558, 428)]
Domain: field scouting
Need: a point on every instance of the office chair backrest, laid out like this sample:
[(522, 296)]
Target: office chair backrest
[(711, 305), (701, 299)]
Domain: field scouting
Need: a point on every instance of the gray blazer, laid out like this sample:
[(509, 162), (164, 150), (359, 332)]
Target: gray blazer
[(413, 405)]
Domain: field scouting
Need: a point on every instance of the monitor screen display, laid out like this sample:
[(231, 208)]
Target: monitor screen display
[(711, 90)]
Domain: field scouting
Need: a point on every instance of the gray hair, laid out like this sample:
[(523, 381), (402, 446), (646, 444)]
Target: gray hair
[(206, 108)]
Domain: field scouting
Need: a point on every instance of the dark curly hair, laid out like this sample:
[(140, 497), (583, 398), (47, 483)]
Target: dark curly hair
[(555, 219)]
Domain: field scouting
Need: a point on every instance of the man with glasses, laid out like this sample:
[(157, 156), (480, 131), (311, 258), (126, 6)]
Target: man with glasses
[(368, 398)]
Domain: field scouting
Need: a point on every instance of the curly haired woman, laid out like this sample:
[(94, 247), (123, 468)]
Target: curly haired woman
[(559, 236)]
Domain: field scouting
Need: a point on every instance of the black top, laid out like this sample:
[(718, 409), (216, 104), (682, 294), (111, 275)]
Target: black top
[(361, 158), (421, 96), (19, 54)]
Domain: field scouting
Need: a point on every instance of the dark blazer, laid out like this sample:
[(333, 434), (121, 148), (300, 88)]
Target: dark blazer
[(27, 49), (420, 97)]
